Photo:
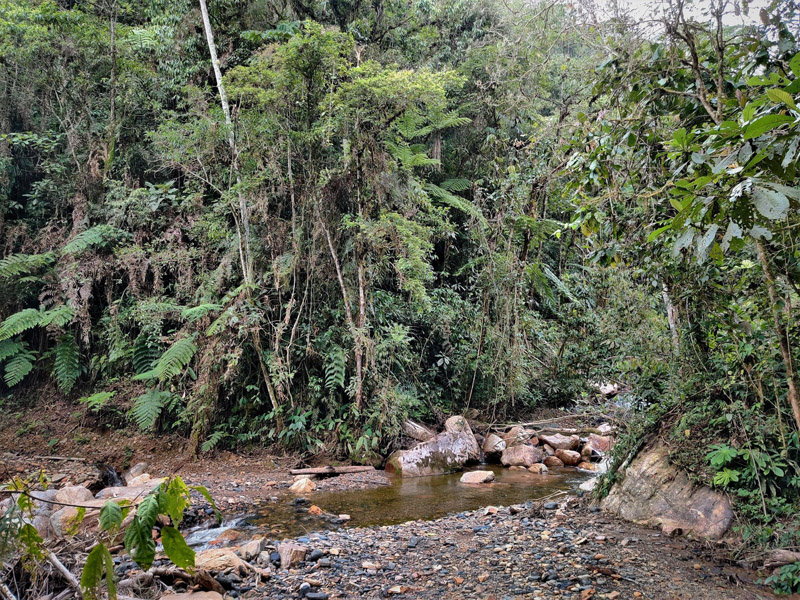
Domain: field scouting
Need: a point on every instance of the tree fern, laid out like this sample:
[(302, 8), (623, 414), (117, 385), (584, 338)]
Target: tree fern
[(219, 324), (147, 408), (9, 348), (66, 367), (198, 312), (458, 184), (173, 361), (18, 366), (146, 351), (22, 264), (60, 316), (334, 368), (21, 321), (408, 158), (28, 318), (454, 201), (97, 236)]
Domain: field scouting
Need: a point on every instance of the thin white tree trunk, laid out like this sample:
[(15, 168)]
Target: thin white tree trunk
[(243, 222)]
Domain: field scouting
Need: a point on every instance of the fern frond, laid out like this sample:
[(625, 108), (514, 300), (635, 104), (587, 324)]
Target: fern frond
[(214, 439), (66, 367), (27, 318), (408, 158), (173, 361), (452, 119), (98, 236), (219, 324), (18, 366), (458, 184), (454, 201), (97, 401), (9, 348), (334, 368), (147, 408), (23, 264), (194, 313), (59, 316), (560, 285), (146, 351)]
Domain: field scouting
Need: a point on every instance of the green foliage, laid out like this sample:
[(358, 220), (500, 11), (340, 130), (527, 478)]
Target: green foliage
[(334, 368), (99, 564), (66, 365), (15, 265), (97, 401), (148, 407), (18, 366), (173, 361), (98, 236), (176, 548), (139, 541), (787, 580), (111, 516)]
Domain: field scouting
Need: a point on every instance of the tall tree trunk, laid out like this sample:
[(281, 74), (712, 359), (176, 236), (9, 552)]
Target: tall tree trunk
[(358, 350), (780, 331), (243, 221)]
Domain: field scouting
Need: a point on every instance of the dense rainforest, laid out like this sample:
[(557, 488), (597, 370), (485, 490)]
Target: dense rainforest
[(296, 223)]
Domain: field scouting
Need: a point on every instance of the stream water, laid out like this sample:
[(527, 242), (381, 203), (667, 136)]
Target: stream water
[(404, 499)]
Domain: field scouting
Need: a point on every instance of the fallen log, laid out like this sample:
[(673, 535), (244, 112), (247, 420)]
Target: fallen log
[(417, 431), (329, 470), (780, 557)]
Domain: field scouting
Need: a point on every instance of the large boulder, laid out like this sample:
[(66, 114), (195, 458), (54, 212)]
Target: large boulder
[(519, 435), (558, 441), (493, 446), (219, 560), (600, 443), (523, 456), (477, 477), (132, 493), (69, 520), (656, 493), (74, 494), (553, 461), (458, 425), (568, 457), (447, 452)]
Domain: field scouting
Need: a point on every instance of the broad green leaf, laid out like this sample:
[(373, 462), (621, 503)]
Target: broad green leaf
[(654, 234), (772, 204), (139, 535), (794, 64), (733, 232), (98, 563), (777, 95), (176, 548), (173, 499), (765, 124), (110, 515)]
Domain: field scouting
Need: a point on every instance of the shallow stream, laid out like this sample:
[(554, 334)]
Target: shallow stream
[(404, 499)]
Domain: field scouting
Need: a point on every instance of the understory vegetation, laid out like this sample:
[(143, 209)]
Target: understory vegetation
[(296, 224)]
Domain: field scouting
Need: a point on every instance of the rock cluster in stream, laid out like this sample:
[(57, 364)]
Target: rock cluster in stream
[(457, 446)]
